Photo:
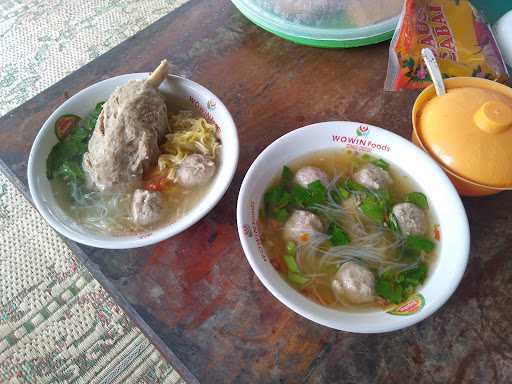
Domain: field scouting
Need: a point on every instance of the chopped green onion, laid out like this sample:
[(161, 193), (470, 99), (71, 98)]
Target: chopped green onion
[(291, 263), (291, 248), (296, 278)]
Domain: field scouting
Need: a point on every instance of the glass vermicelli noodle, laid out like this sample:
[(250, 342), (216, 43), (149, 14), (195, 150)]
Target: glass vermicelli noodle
[(349, 231)]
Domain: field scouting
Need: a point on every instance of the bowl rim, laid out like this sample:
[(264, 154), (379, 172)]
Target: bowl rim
[(399, 322), (427, 94), (159, 234)]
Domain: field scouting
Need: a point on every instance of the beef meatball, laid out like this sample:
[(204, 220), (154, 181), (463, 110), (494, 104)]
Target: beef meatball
[(373, 177), (301, 226), (147, 207), (411, 219), (195, 170), (354, 283), (307, 175)]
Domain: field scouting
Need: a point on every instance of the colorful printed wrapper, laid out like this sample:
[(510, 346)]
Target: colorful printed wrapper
[(461, 40)]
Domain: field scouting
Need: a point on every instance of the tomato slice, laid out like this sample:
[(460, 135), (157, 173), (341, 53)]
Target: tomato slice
[(65, 124)]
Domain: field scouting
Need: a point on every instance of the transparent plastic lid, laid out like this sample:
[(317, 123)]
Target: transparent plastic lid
[(332, 14), (324, 19)]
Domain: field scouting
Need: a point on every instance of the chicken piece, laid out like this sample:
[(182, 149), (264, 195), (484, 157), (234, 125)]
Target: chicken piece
[(373, 177), (354, 283), (125, 141), (147, 207), (411, 219), (307, 175), (301, 226), (195, 170)]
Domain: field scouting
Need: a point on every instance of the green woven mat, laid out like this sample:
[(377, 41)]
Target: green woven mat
[(42, 41), (57, 324)]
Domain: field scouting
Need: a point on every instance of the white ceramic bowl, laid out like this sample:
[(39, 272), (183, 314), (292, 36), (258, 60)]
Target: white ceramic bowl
[(453, 248), (185, 92)]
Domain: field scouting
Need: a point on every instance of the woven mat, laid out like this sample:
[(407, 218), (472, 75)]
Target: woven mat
[(57, 324), (42, 41)]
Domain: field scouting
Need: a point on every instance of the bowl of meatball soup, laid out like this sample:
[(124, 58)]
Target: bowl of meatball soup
[(353, 227), (133, 160)]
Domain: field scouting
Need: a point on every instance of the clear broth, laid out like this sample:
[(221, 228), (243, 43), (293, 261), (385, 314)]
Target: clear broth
[(335, 163), (110, 211)]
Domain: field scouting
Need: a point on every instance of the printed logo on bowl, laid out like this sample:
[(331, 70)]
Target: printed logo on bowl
[(211, 104), (247, 230), (363, 130), (205, 112), (409, 307), (252, 229), (360, 141)]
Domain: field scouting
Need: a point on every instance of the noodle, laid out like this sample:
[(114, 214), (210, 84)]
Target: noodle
[(189, 135)]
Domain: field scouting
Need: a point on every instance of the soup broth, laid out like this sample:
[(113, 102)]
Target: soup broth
[(110, 211), (351, 232)]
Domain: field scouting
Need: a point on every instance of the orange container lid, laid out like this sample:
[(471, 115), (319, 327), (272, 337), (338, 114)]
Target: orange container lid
[(469, 129)]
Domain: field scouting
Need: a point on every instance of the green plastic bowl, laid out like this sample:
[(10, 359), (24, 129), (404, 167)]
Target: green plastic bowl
[(324, 28)]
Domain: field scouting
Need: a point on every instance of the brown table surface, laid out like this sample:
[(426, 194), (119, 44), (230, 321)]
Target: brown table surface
[(197, 292)]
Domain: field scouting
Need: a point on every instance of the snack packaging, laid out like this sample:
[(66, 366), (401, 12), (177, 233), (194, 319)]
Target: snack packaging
[(461, 40)]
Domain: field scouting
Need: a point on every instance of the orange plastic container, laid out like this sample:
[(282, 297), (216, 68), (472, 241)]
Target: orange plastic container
[(468, 132)]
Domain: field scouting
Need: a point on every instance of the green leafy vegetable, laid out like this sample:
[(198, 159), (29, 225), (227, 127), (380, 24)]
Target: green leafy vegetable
[(385, 198), (397, 286), (418, 199), (286, 175), (315, 193), (378, 162), (373, 208), (277, 197), (339, 194), (413, 246), (280, 214), (382, 164), (318, 193), (338, 235), (419, 243), (389, 290), (352, 186), (291, 263), (65, 159)]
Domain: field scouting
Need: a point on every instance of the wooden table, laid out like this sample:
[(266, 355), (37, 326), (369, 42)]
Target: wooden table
[(196, 291)]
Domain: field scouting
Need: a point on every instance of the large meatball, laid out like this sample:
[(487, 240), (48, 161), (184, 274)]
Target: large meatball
[(301, 226), (411, 219), (307, 175), (373, 177), (354, 283), (195, 170), (147, 207)]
